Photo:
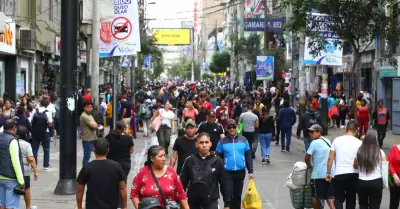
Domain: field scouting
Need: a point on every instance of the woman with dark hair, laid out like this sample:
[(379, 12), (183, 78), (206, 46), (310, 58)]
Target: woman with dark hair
[(154, 175), (266, 130), (369, 162), (22, 120), (363, 119), (121, 148), (222, 113), (381, 119), (8, 111)]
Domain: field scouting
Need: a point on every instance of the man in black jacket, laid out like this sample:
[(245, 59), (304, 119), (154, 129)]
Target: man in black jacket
[(307, 119), (205, 173)]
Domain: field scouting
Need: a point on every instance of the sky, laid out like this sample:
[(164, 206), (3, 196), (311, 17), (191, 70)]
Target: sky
[(169, 13)]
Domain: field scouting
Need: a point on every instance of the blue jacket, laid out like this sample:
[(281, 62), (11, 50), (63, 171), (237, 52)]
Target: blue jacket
[(236, 153), (287, 117)]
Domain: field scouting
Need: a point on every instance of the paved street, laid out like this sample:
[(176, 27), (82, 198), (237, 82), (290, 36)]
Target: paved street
[(269, 179)]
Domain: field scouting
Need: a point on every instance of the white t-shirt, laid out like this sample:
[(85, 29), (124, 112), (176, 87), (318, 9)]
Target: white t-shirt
[(167, 117), (376, 174), (42, 109), (346, 148)]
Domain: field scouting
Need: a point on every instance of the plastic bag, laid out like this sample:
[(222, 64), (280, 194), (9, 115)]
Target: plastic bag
[(251, 199), (240, 129)]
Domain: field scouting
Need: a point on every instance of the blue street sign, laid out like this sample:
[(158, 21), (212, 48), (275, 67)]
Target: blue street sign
[(275, 25)]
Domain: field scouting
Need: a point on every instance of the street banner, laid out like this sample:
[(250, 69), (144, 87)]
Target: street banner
[(172, 37), (275, 25), (121, 36), (331, 55), (146, 62), (265, 68)]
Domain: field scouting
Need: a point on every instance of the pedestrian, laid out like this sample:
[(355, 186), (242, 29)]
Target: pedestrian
[(363, 118), (381, 119), (369, 162), (204, 172), (158, 180), (250, 124), (213, 128), (343, 151), (266, 130), (237, 155), (105, 181), (318, 154), (126, 113), (11, 172), (287, 118), (88, 129), (167, 125), (184, 146), (306, 120), (394, 171), (41, 119)]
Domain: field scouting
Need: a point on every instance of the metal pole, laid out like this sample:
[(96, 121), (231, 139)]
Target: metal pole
[(115, 91), (192, 55), (69, 46), (94, 79), (232, 33), (242, 69), (265, 36)]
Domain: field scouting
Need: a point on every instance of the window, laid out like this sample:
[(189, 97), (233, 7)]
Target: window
[(57, 12)]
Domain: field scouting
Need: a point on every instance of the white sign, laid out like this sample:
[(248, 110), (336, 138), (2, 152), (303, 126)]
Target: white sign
[(122, 36), (7, 40), (58, 45), (106, 10)]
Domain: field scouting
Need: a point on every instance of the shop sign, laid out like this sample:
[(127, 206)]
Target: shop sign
[(58, 45), (83, 56), (7, 39)]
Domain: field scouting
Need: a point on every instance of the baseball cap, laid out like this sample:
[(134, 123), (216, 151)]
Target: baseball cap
[(149, 203), (191, 123), (315, 127), (230, 122), (211, 113)]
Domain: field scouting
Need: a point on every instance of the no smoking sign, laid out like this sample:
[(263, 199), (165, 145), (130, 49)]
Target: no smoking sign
[(121, 28)]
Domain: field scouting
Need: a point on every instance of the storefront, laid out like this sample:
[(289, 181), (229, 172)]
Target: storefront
[(8, 59)]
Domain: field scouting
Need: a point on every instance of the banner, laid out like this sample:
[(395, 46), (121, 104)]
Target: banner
[(275, 25), (146, 62), (7, 39), (122, 36), (265, 68), (331, 55), (172, 37)]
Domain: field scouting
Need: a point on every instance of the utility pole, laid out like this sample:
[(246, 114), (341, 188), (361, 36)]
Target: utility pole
[(242, 69), (192, 37), (115, 91), (94, 79), (69, 46), (233, 27), (216, 36), (265, 36)]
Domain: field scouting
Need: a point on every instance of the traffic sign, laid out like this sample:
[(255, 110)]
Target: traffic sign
[(121, 28)]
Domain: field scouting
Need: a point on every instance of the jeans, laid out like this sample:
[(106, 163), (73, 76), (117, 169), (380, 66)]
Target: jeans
[(57, 125), (381, 133), (345, 187), (286, 132), (87, 151), (235, 182), (164, 137), (8, 198), (265, 144), (213, 204), (370, 193), (146, 125), (36, 141), (307, 143), (394, 197)]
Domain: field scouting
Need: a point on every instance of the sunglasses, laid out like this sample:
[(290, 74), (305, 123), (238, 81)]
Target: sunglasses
[(231, 127)]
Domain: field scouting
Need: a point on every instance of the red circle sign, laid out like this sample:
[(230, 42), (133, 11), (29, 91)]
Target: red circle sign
[(121, 28)]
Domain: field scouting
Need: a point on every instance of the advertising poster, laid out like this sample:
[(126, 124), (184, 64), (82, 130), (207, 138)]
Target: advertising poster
[(172, 37), (265, 68), (7, 39)]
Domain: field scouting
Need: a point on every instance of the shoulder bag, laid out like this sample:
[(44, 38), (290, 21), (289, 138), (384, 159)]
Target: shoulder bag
[(168, 204)]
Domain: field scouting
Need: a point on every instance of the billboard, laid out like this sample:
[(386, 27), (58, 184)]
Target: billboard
[(275, 25), (172, 37), (265, 68)]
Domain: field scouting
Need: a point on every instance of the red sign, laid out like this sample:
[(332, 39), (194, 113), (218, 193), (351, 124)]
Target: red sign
[(121, 28)]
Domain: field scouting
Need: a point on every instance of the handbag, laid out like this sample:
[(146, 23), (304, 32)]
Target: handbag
[(168, 204), (156, 123)]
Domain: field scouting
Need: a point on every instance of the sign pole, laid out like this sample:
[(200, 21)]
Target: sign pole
[(192, 37), (265, 38), (69, 21), (115, 92)]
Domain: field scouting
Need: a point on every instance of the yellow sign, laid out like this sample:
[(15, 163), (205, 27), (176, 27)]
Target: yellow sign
[(172, 37)]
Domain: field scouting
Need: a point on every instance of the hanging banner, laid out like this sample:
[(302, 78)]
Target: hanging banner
[(331, 55), (265, 68), (122, 36), (275, 25), (146, 62)]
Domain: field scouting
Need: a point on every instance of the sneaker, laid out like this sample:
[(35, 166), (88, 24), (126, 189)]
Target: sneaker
[(47, 168), (268, 160), (277, 143), (287, 150), (282, 150), (263, 161)]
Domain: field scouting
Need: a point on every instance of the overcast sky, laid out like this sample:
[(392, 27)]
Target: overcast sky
[(169, 13)]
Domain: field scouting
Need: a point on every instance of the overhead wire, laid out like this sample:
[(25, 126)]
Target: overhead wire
[(40, 13)]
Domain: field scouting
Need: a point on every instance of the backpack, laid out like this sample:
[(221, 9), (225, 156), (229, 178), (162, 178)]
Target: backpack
[(313, 118), (145, 112), (203, 179), (39, 123)]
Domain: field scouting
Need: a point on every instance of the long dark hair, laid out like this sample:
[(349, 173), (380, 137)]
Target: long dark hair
[(265, 114), (152, 152), (369, 154)]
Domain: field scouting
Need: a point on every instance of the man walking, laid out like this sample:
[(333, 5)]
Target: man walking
[(308, 119), (213, 128), (105, 180), (250, 123), (287, 118), (236, 152), (88, 128), (203, 175)]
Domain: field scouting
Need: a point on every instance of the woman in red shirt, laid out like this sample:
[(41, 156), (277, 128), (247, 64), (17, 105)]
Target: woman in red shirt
[(222, 113), (144, 185), (394, 171), (363, 119), (189, 111)]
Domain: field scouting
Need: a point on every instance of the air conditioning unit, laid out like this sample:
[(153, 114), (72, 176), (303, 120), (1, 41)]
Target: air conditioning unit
[(28, 39)]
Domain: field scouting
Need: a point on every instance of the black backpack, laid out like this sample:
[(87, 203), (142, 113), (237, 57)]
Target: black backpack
[(39, 123), (203, 180), (313, 118)]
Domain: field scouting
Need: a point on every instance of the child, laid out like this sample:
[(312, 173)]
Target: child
[(28, 159), (347, 120)]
